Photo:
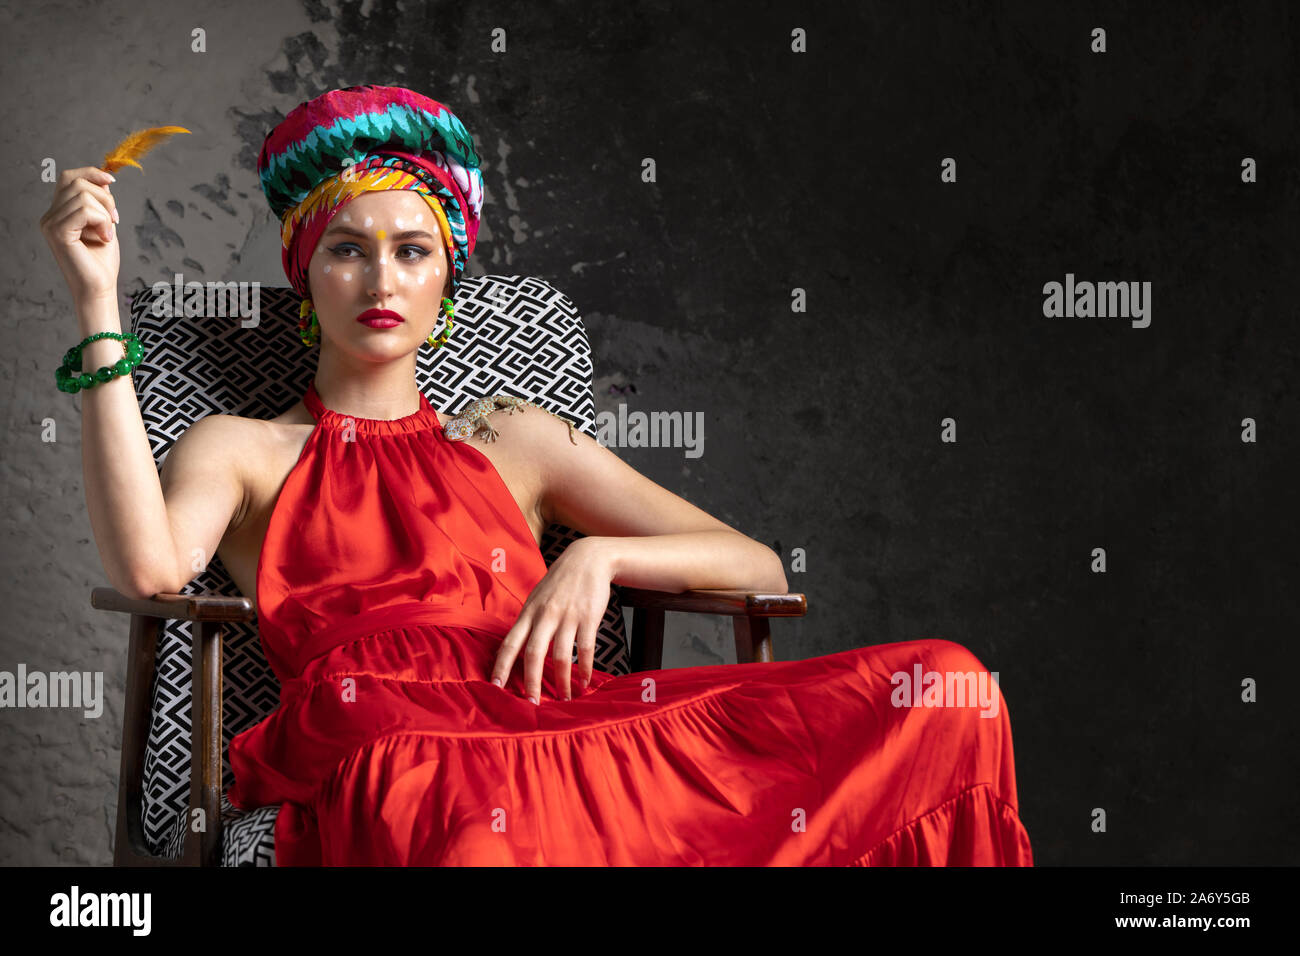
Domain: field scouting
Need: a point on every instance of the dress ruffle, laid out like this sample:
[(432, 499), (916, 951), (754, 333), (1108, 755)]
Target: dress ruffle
[(974, 828), (399, 752)]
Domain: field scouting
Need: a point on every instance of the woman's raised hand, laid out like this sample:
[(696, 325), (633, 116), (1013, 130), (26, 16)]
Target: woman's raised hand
[(79, 229)]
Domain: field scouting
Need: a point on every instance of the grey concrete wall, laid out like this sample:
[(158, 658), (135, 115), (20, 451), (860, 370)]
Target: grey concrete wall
[(780, 170)]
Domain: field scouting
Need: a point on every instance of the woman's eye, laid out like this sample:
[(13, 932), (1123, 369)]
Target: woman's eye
[(420, 252)]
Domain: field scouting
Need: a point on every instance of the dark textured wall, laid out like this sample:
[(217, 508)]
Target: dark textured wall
[(776, 171)]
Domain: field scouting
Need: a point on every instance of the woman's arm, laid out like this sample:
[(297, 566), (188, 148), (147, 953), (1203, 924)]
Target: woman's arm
[(694, 559), (123, 495), (144, 548)]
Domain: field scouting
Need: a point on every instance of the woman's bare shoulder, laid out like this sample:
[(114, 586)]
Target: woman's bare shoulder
[(252, 434), (271, 439), (260, 451)]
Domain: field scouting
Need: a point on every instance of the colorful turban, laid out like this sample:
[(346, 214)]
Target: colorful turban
[(349, 141)]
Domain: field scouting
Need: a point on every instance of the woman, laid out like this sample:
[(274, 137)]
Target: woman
[(429, 709)]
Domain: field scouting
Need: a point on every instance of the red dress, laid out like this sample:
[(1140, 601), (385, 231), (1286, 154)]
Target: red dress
[(395, 562)]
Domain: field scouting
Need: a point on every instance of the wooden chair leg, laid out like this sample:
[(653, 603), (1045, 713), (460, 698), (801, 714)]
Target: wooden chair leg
[(205, 741), (647, 639), (753, 639), (129, 847), (198, 849)]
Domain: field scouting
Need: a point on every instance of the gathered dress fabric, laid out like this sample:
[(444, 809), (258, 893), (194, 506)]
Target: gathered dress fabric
[(395, 562)]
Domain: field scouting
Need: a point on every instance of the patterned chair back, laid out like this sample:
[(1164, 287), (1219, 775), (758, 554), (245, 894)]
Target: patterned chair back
[(514, 335)]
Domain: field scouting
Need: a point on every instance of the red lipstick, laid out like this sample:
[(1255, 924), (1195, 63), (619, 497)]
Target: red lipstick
[(380, 318)]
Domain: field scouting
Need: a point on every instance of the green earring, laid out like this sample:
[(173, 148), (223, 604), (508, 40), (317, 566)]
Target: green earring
[(448, 308)]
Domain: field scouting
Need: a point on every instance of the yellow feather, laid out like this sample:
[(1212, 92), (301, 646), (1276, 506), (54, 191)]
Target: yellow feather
[(136, 145)]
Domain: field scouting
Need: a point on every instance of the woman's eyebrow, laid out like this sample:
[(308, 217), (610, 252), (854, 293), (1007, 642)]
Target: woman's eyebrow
[(353, 231)]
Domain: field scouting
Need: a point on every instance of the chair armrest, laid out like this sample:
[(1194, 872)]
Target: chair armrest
[(176, 607), (717, 601), (207, 613)]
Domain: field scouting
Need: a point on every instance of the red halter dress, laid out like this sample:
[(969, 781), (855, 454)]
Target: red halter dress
[(395, 562)]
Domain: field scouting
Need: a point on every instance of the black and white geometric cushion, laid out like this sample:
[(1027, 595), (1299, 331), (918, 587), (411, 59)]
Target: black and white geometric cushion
[(513, 335)]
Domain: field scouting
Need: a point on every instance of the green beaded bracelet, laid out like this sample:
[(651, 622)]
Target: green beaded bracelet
[(71, 379)]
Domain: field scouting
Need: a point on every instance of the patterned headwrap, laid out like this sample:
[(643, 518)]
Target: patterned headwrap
[(349, 141)]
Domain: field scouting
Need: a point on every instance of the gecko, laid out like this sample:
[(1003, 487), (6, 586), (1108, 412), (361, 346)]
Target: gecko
[(474, 417)]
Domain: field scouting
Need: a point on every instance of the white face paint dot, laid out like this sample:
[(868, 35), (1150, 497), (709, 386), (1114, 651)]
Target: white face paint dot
[(397, 223), (327, 269), (400, 277), (366, 269), (369, 221), (347, 277), (347, 216), (421, 280), (419, 217), (437, 270), (382, 260)]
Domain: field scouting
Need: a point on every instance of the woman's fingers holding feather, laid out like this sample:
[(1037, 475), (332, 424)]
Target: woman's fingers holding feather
[(104, 196), (99, 190), (72, 187), (78, 227), (81, 215)]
